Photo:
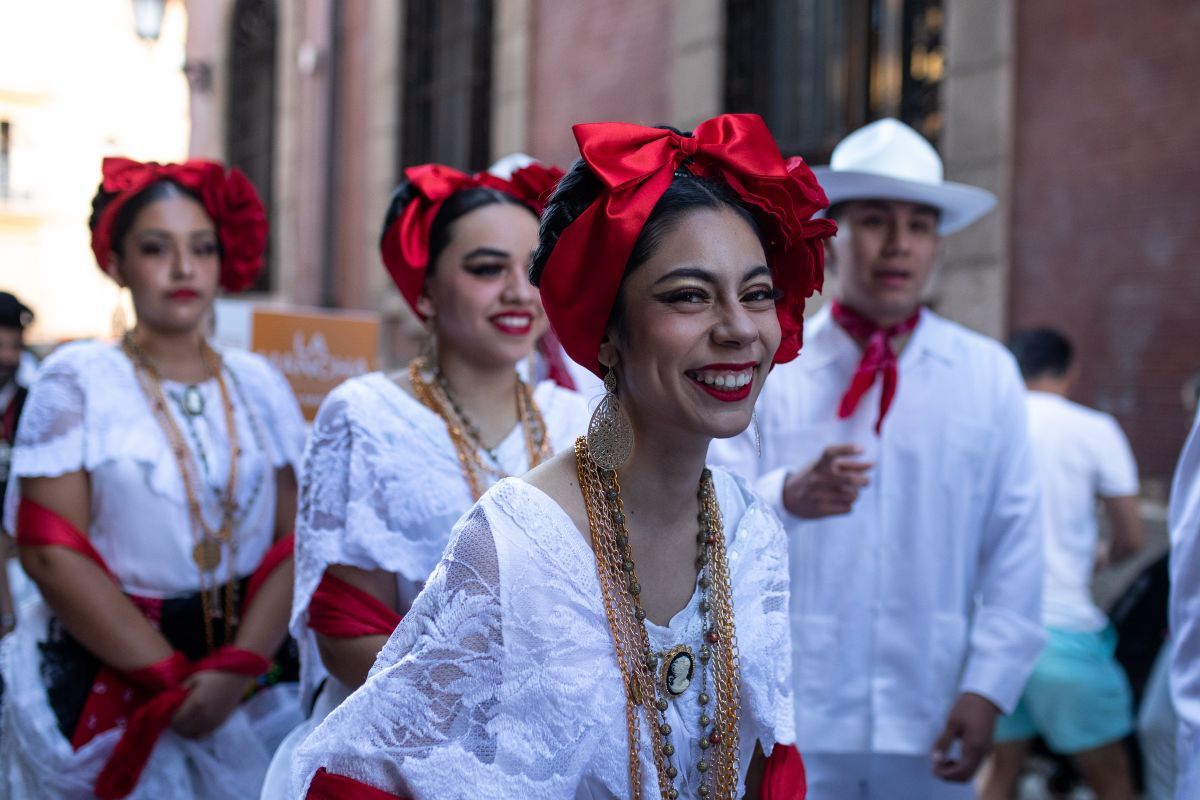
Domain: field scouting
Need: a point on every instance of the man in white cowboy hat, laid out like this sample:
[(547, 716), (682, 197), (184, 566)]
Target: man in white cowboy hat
[(895, 449)]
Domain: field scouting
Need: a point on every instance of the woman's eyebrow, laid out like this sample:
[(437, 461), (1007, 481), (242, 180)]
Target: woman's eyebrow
[(688, 272), (491, 252)]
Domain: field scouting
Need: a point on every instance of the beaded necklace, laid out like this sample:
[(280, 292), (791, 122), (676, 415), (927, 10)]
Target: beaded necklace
[(436, 396), (211, 543), (654, 679)]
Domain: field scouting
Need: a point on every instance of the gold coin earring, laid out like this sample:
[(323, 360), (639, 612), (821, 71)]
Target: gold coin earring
[(610, 433)]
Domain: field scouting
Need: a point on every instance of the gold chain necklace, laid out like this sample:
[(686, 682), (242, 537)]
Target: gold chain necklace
[(436, 398), (210, 542), (649, 685)]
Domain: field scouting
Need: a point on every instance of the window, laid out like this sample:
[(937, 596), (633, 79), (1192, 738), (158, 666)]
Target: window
[(447, 83), (818, 69), (250, 127)]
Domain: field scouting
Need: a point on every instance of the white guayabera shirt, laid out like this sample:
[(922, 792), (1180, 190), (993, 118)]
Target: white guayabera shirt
[(932, 585), (502, 679)]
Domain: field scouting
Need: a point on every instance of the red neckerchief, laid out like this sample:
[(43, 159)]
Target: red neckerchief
[(878, 358)]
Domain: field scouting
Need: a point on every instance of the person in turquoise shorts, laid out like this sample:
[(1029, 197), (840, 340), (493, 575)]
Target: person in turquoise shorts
[(1078, 698)]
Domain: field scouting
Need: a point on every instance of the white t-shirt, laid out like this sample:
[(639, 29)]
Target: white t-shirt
[(1081, 454)]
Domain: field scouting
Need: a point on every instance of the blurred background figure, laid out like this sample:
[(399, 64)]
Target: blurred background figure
[(1184, 523), (14, 318), (1078, 698)]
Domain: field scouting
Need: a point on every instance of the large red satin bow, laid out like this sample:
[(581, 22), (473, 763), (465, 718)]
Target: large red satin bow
[(229, 198), (405, 244), (636, 164)]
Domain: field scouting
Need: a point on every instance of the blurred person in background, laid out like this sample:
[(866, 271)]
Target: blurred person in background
[(394, 460), (896, 451), (1183, 520), (15, 316), (153, 498), (1078, 699)]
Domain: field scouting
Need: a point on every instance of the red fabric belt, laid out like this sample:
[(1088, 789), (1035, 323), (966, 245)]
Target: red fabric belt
[(146, 699), (343, 611), (328, 786), (784, 777), (124, 767)]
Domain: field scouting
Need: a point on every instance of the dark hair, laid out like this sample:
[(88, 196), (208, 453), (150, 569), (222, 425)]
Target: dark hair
[(1041, 352), (159, 190), (457, 205), (580, 187)]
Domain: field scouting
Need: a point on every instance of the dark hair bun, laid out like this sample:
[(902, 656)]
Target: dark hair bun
[(577, 190)]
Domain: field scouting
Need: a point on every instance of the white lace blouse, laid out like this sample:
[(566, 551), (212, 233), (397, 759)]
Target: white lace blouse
[(502, 679), (381, 488), (87, 412)]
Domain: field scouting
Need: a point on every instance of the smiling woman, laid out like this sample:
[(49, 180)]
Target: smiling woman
[(153, 508), (618, 593), (394, 460)]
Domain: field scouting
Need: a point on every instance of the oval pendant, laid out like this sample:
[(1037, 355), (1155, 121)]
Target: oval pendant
[(193, 401), (679, 665), (207, 554)]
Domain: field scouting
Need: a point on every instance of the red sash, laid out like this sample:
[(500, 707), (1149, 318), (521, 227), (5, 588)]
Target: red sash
[(143, 700), (784, 777), (328, 786), (343, 611)]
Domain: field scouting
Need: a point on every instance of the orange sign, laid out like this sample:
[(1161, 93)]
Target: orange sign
[(316, 350)]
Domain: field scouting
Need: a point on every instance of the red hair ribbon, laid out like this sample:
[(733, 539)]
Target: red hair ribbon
[(878, 359), (229, 198), (636, 165), (405, 244)]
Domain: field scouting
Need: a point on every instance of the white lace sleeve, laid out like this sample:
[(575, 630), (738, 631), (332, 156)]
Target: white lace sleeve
[(485, 689), (759, 573), (50, 437)]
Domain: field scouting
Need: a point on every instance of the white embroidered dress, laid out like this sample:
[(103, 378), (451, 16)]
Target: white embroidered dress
[(502, 679), (381, 489), (87, 412)]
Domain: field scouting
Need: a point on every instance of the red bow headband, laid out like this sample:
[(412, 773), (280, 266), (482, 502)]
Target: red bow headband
[(636, 165), (405, 244), (228, 197)]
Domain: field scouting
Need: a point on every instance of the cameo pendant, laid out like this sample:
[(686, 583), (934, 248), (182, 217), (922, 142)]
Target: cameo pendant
[(678, 668), (192, 401)]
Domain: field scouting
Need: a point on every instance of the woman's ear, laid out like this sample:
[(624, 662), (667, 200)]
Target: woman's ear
[(608, 352), (112, 268), (425, 305)]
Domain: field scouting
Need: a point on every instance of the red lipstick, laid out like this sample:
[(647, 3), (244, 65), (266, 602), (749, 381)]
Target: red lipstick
[(512, 323), (726, 394)]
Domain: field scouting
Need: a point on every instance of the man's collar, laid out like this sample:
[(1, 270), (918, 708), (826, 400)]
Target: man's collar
[(826, 341)]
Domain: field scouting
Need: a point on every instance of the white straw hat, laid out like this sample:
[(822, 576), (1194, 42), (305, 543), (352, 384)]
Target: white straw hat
[(887, 160)]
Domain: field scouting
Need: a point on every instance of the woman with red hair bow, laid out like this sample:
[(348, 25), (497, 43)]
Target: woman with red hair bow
[(394, 460), (614, 624), (153, 498)]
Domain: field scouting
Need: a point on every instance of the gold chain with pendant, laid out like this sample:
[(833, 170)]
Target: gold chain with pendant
[(435, 396), (211, 542), (719, 765)]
